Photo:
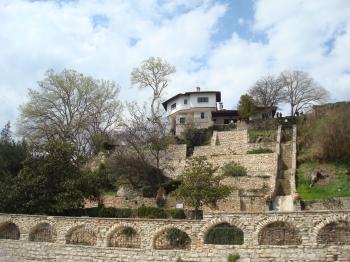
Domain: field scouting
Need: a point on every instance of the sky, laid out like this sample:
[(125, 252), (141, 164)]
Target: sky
[(223, 45)]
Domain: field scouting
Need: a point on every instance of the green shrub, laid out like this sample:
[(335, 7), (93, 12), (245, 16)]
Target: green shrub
[(180, 260), (177, 238), (224, 234), (196, 137), (176, 213), (233, 257), (226, 127), (234, 169), (92, 212), (260, 150), (160, 201), (266, 134), (147, 191), (171, 185), (115, 212), (150, 212), (128, 231)]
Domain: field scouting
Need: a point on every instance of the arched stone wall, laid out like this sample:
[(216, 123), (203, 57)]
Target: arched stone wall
[(171, 238), (278, 231), (124, 236), (43, 232), (81, 235), (9, 230), (224, 234)]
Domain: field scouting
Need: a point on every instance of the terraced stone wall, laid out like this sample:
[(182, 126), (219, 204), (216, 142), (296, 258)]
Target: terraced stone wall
[(293, 236)]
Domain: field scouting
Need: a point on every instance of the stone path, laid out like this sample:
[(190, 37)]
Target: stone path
[(5, 258)]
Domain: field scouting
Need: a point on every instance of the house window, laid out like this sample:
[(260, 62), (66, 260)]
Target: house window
[(202, 115), (185, 101), (173, 106), (203, 99), (182, 120)]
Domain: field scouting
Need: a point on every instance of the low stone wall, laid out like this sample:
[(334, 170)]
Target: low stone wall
[(267, 237), (338, 203)]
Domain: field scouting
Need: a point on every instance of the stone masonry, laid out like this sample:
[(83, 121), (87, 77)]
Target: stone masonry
[(269, 236)]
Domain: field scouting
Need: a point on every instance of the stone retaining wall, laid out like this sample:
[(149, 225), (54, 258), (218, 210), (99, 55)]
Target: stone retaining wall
[(306, 226)]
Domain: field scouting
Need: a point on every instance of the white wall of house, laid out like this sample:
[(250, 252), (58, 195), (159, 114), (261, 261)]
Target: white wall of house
[(192, 102)]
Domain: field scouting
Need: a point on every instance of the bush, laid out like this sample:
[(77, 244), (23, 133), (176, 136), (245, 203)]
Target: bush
[(147, 191), (115, 212), (234, 169), (176, 213), (270, 135), (160, 201), (177, 238), (171, 185), (224, 234), (233, 257), (260, 150), (196, 137), (225, 127), (150, 212)]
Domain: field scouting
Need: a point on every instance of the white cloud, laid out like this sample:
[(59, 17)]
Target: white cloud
[(35, 36)]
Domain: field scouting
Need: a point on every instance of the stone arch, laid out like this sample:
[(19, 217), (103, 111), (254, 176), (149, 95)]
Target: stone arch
[(278, 231), (125, 236), (333, 231), (171, 237), (224, 234), (43, 232), (9, 230), (81, 235), (217, 221)]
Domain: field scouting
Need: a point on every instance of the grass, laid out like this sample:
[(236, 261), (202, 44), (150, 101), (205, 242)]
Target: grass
[(338, 186), (268, 133), (260, 150)]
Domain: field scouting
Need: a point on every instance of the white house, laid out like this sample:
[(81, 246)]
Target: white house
[(191, 109)]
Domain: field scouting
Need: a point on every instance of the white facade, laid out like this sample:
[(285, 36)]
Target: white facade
[(191, 109)]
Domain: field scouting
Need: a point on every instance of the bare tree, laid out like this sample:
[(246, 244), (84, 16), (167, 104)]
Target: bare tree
[(267, 91), (153, 73), (71, 107), (301, 90)]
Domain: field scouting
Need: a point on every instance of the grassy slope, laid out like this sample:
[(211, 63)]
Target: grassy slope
[(339, 186)]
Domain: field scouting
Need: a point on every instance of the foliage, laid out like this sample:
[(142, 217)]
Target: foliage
[(171, 186), (196, 137), (98, 212), (226, 127), (12, 154), (224, 234), (128, 231), (337, 186), (148, 191), (176, 213), (234, 169), (70, 107), (246, 106), (49, 182), (326, 138), (150, 212), (180, 260), (260, 150), (267, 133), (199, 186), (160, 201), (233, 257), (177, 238)]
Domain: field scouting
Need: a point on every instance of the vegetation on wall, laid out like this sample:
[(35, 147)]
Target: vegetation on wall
[(234, 169), (224, 234), (196, 137), (177, 238), (260, 150)]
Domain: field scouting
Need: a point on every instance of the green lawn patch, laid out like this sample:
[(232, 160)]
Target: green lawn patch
[(260, 150), (335, 184)]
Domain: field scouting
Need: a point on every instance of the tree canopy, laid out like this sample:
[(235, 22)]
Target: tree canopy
[(200, 186), (74, 108), (246, 106)]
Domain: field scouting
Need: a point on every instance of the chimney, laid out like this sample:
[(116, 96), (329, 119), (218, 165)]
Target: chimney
[(221, 105), (198, 89)]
